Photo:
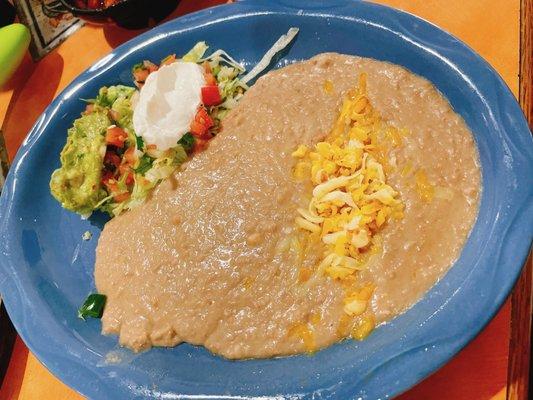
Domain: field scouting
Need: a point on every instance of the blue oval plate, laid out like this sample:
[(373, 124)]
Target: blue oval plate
[(47, 270)]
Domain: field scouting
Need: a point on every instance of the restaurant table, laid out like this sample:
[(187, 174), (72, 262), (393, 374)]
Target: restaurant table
[(491, 27)]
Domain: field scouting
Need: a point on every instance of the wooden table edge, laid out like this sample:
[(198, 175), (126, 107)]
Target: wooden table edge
[(520, 355)]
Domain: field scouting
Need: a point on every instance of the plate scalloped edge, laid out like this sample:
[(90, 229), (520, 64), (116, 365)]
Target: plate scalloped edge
[(383, 379)]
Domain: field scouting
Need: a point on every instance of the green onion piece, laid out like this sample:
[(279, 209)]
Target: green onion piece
[(187, 141), (145, 163), (140, 142), (93, 306)]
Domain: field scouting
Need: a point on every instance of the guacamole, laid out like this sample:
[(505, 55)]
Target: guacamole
[(118, 99), (76, 185)]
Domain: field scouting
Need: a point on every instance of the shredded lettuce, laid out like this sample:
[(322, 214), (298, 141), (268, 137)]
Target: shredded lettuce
[(220, 57), (141, 190), (165, 165), (196, 53), (227, 73), (262, 65)]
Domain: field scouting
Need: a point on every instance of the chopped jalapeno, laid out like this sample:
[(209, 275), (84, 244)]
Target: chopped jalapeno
[(145, 163), (140, 142), (187, 141), (93, 306)]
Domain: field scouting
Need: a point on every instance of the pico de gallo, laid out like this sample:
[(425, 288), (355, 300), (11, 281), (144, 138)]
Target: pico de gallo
[(106, 166)]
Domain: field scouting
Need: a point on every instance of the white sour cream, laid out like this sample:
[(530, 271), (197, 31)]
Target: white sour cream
[(167, 104)]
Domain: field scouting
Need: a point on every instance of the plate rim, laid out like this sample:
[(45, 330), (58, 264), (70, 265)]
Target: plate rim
[(246, 7)]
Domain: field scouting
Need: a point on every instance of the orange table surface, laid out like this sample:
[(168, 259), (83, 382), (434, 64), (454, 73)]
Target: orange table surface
[(491, 27)]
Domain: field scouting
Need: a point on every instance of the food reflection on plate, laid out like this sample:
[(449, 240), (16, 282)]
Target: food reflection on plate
[(268, 219)]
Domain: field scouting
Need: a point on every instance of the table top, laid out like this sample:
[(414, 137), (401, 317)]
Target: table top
[(491, 27)]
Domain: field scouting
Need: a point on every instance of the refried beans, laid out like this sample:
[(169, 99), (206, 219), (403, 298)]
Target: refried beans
[(203, 261)]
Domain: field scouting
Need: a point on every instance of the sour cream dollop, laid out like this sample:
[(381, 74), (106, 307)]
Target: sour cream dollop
[(167, 104)]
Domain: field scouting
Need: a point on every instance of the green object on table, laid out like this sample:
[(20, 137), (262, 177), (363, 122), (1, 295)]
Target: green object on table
[(14, 41)]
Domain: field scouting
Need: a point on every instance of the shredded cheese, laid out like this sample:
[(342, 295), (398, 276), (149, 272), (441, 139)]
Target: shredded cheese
[(425, 189), (364, 327), (351, 203), (351, 200), (328, 86), (303, 332)]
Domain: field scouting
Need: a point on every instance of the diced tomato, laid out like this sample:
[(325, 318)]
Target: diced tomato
[(116, 136), (112, 188), (150, 66), (203, 117), (210, 79), (151, 147), (208, 74), (89, 109), (119, 198), (111, 158), (211, 95), (129, 156), (140, 74), (130, 179), (200, 145), (197, 129), (168, 60), (126, 170), (201, 124), (106, 175), (111, 184)]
